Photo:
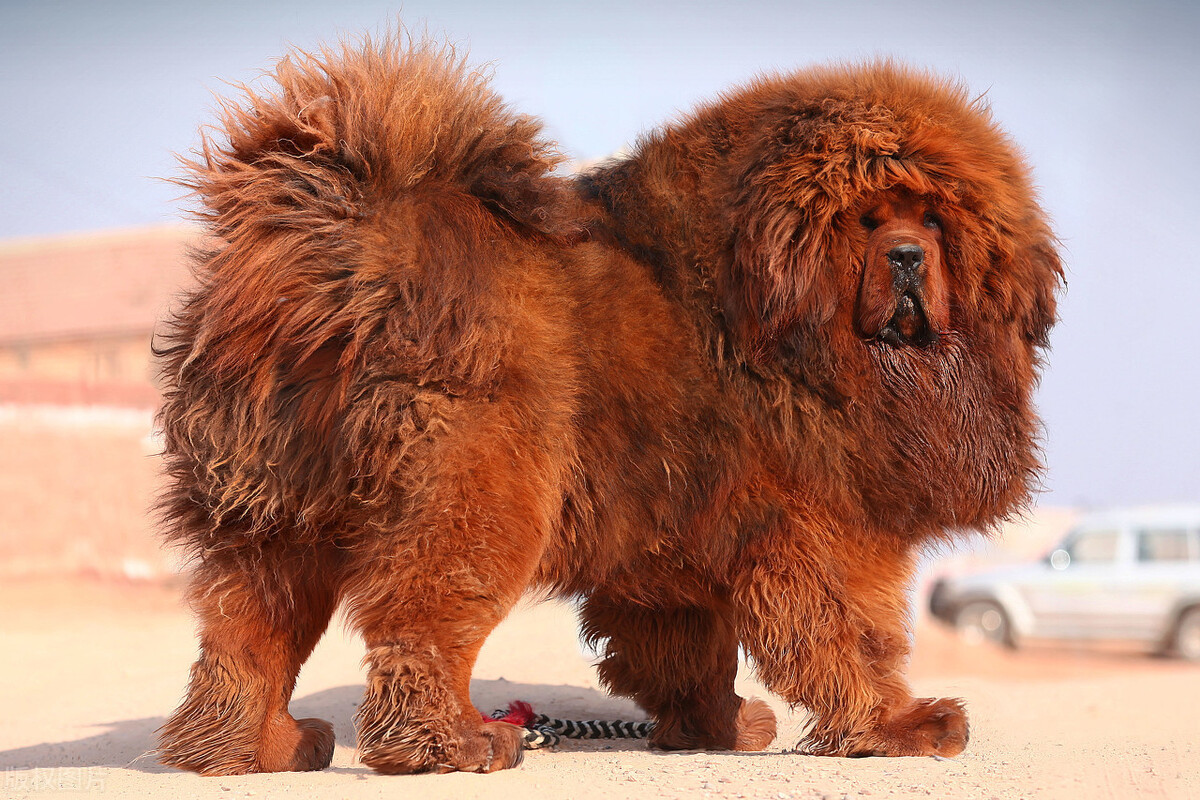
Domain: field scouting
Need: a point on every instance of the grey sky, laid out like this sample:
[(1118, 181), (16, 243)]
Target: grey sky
[(1103, 96)]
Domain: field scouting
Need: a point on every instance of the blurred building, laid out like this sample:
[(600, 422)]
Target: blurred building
[(78, 461), (77, 314)]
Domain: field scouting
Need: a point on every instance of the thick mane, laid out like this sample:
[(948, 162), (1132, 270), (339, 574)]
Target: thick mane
[(754, 212)]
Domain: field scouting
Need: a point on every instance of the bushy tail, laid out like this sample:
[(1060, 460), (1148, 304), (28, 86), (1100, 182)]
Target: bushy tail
[(300, 186), (346, 132), (383, 116)]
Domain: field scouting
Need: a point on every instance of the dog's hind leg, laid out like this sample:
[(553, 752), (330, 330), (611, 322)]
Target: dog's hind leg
[(679, 664), (260, 616), (424, 615), (445, 563)]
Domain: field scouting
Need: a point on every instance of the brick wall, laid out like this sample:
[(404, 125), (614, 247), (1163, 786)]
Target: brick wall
[(76, 486)]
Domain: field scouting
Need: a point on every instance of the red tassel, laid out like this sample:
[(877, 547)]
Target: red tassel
[(519, 713)]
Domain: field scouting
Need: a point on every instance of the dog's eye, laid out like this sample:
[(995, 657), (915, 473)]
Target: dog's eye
[(932, 222), (868, 222)]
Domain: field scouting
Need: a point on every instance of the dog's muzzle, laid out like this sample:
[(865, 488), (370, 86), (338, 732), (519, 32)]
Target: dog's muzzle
[(909, 324)]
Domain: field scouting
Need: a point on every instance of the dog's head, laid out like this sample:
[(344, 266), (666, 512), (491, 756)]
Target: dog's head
[(886, 250), (884, 203)]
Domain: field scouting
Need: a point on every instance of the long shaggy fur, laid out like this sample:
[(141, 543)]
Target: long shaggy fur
[(422, 374)]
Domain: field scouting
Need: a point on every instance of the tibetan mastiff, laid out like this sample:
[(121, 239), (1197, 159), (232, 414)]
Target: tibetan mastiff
[(720, 392)]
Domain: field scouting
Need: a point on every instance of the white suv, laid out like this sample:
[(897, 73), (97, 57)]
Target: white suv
[(1130, 574)]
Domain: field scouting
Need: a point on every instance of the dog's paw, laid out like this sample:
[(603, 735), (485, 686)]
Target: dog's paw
[(315, 749), (936, 727), (300, 745), (925, 727), (755, 725), (467, 747), (495, 746)]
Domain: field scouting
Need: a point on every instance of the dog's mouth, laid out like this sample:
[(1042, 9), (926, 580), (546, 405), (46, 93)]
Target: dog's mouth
[(909, 324)]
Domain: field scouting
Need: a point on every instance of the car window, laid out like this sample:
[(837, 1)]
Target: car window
[(1169, 544), (1098, 547)]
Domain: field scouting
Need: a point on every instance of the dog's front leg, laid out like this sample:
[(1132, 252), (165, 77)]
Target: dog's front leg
[(679, 664), (825, 621)]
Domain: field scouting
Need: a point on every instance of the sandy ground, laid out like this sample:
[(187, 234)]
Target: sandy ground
[(88, 670)]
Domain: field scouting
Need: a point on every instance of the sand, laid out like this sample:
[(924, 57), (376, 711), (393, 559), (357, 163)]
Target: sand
[(89, 669)]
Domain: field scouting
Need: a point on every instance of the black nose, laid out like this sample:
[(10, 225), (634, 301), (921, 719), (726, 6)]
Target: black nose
[(906, 257)]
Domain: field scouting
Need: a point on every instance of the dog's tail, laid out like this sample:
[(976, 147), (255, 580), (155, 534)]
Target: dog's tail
[(372, 177), (293, 181)]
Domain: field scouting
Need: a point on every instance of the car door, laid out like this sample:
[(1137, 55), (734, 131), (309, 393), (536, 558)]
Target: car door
[(1166, 558), (1079, 594)]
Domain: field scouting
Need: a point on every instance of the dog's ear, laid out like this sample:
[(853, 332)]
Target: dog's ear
[(1021, 282), (784, 192), (1044, 267), (780, 272)]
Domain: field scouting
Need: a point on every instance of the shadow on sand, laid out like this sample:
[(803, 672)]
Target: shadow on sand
[(128, 744)]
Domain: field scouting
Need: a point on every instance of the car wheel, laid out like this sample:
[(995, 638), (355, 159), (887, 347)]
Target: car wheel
[(983, 621), (1187, 635)]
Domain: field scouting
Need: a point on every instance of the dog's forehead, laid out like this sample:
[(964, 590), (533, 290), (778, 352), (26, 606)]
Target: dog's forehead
[(898, 201)]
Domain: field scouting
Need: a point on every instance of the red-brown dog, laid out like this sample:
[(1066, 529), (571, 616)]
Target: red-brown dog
[(720, 391)]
